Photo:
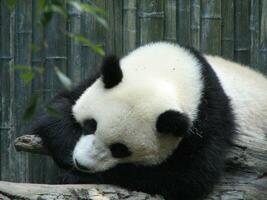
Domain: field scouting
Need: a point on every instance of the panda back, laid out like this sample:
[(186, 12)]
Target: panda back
[(247, 90)]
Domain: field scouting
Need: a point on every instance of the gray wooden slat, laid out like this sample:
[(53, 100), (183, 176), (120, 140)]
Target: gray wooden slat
[(114, 10), (37, 164), (263, 37), (228, 29), (22, 92), (170, 20), (129, 25), (96, 33), (195, 23), (7, 93), (55, 56), (151, 21), (255, 33), (183, 22), (242, 32), (73, 47), (211, 26)]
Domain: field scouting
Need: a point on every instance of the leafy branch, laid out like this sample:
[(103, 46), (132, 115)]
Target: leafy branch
[(46, 9)]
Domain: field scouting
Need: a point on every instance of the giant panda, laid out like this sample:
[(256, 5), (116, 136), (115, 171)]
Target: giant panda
[(159, 120)]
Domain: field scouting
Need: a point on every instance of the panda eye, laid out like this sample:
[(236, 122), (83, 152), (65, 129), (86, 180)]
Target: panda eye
[(119, 150), (90, 126)]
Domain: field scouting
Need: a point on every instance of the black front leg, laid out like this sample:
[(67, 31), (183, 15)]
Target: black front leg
[(126, 177), (172, 184)]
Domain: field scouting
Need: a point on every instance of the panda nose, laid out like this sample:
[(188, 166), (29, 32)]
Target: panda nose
[(80, 166)]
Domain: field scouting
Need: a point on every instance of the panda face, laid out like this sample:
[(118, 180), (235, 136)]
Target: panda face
[(137, 111), (120, 125)]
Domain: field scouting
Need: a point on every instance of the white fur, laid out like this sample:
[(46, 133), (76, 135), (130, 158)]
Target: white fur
[(158, 77), (92, 153), (128, 112), (247, 90)]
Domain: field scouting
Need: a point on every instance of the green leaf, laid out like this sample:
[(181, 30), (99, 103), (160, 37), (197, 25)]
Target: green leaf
[(80, 38), (66, 82), (27, 69), (27, 77), (101, 20), (58, 9), (52, 111), (11, 4), (94, 11), (46, 17), (33, 47), (86, 7), (31, 108), (22, 67), (50, 8), (40, 6)]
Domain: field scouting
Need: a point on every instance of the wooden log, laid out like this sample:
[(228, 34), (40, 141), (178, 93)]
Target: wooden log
[(12, 191), (245, 175)]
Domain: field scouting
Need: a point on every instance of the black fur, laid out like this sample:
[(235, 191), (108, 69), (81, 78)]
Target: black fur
[(89, 126), (189, 173), (119, 150), (174, 122), (61, 132), (111, 71)]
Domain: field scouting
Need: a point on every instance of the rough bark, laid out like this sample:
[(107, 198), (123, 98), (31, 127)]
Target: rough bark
[(19, 191), (30, 143), (245, 176)]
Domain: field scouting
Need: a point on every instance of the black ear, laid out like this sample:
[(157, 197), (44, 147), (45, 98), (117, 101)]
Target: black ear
[(173, 122), (111, 71)]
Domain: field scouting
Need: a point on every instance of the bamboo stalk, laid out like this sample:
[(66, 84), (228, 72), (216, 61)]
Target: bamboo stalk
[(263, 37), (170, 21), (211, 19), (195, 23), (228, 29), (129, 25), (37, 164), (242, 32), (23, 40), (6, 92), (93, 31), (255, 33), (114, 9), (55, 56), (151, 21), (38, 50), (183, 22), (73, 47)]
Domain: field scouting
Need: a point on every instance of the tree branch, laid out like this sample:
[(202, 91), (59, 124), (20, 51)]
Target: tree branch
[(30, 143), (245, 176)]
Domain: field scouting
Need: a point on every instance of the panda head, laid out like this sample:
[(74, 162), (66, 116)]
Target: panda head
[(127, 117)]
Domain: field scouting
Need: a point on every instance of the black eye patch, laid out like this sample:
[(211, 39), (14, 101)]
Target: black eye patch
[(119, 150), (89, 126)]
